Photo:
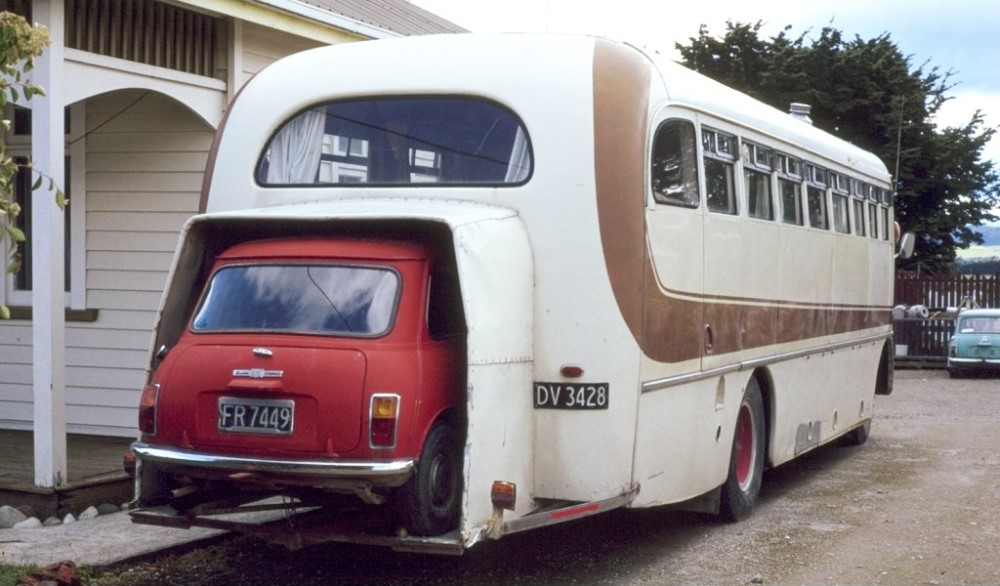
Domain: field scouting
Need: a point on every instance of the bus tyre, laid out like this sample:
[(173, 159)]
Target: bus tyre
[(859, 435), (746, 464), (431, 500)]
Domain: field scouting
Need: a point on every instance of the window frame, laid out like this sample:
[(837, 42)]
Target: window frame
[(720, 148), (692, 198), (19, 145)]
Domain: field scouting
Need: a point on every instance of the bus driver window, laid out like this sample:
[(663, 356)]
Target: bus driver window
[(675, 164)]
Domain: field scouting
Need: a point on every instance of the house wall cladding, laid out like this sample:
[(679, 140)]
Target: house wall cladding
[(145, 158)]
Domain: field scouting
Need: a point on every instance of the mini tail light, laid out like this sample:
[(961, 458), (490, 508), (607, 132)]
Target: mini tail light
[(504, 494), (147, 409), (384, 415)]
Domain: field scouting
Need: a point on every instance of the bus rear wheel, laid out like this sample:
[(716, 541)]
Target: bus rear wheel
[(746, 463)]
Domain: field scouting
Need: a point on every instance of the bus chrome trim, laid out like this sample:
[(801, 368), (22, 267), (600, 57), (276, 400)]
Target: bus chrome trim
[(670, 381)]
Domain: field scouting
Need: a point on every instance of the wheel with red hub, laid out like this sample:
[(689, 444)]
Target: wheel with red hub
[(746, 464)]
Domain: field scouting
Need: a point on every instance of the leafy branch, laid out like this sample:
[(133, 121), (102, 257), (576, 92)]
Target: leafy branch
[(20, 44)]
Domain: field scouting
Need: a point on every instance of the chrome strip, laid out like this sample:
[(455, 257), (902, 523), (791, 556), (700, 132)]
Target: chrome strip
[(670, 381), (311, 468)]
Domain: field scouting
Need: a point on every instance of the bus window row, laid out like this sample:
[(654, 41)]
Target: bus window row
[(775, 186)]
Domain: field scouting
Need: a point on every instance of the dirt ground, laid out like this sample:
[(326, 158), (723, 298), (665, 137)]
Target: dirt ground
[(915, 505)]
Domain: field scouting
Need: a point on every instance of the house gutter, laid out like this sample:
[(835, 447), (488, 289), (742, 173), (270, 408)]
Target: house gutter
[(295, 17)]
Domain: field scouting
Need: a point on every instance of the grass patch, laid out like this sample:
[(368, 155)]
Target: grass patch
[(10, 574)]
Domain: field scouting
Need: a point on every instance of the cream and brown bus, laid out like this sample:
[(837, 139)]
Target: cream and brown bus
[(648, 288)]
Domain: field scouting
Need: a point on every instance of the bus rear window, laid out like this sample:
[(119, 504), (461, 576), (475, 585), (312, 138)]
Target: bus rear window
[(393, 141), (316, 299)]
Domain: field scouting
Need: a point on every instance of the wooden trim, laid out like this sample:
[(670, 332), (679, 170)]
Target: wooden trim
[(72, 315)]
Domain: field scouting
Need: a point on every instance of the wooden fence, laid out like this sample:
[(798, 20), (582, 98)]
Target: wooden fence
[(938, 293), (924, 341)]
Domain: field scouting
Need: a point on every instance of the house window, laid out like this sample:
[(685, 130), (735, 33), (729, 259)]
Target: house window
[(18, 286)]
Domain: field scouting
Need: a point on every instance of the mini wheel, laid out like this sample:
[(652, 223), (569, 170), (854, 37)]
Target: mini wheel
[(430, 502), (746, 464)]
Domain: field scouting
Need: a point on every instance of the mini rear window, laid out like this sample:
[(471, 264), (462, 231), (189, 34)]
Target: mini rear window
[(316, 299), (392, 141)]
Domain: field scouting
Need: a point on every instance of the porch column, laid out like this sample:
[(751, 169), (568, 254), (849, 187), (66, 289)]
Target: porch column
[(47, 255)]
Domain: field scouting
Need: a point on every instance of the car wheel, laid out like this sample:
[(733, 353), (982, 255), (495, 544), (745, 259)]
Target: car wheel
[(746, 463), (430, 502)]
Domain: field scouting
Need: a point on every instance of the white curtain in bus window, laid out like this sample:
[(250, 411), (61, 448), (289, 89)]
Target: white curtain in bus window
[(392, 141), (841, 214), (759, 194), (295, 150), (859, 217), (675, 164)]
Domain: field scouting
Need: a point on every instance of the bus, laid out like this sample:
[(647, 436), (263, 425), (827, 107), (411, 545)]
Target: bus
[(621, 284)]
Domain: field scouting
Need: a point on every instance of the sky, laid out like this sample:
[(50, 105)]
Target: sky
[(957, 36)]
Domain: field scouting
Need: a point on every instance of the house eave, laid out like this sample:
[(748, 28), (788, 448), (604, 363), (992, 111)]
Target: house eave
[(294, 17)]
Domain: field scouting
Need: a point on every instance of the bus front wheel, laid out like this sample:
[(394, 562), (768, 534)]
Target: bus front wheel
[(746, 463)]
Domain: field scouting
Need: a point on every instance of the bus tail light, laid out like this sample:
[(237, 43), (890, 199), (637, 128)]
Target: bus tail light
[(503, 494), (147, 409), (384, 416)]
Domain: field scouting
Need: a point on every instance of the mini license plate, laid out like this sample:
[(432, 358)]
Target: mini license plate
[(262, 416), (571, 395)]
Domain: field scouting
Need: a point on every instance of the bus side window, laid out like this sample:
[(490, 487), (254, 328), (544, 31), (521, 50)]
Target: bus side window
[(859, 217), (816, 197), (841, 214), (757, 161), (675, 164), (790, 189), (817, 207), (720, 188)]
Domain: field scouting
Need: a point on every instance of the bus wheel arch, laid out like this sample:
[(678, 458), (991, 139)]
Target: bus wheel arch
[(886, 367), (749, 452)]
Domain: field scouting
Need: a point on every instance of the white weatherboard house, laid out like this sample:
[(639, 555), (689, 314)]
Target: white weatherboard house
[(139, 87)]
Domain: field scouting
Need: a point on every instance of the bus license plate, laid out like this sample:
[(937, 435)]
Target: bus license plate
[(571, 395), (262, 416)]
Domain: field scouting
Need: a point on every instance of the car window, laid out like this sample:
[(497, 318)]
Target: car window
[(322, 299), (980, 325)]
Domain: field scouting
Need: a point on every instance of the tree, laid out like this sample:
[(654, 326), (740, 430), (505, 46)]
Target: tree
[(20, 44), (867, 92)]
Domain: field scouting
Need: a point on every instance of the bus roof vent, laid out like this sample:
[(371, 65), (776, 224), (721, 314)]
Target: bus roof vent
[(800, 111)]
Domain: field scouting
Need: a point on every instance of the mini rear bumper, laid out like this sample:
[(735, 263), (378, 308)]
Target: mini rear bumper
[(302, 472), (973, 363)]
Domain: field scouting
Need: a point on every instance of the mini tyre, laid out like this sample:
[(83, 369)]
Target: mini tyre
[(430, 502), (746, 464)]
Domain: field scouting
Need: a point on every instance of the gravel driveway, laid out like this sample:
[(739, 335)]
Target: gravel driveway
[(916, 505)]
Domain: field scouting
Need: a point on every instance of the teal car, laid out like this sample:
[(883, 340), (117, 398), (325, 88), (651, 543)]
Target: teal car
[(975, 345)]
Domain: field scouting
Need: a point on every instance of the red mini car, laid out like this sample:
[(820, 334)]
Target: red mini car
[(313, 367)]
